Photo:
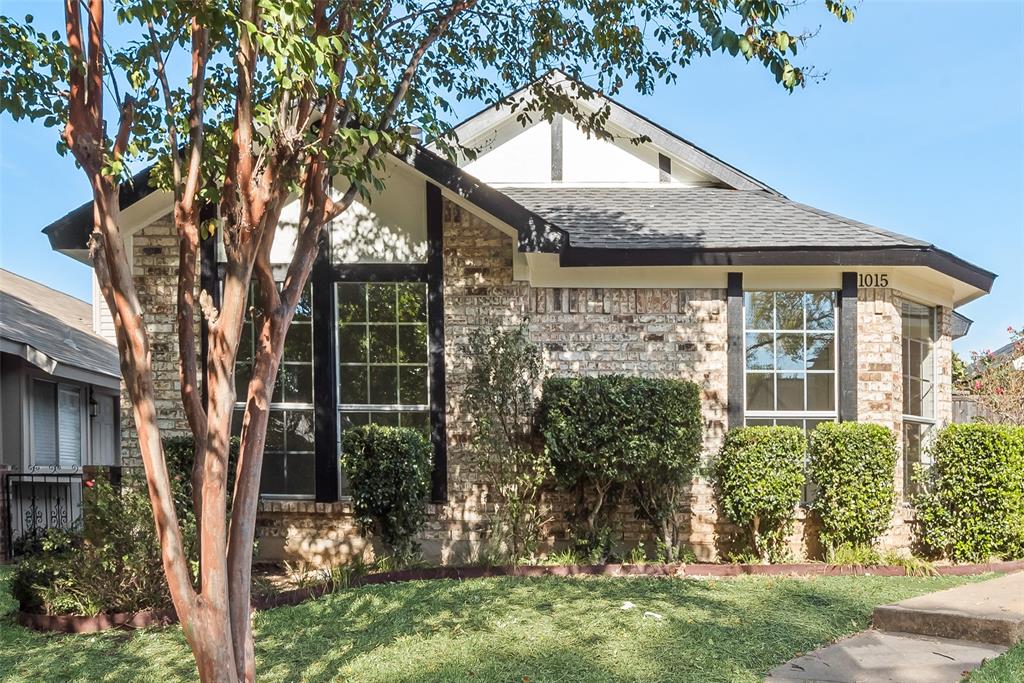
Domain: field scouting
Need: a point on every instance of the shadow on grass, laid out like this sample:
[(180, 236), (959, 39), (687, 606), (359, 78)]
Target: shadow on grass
[(501, 630)]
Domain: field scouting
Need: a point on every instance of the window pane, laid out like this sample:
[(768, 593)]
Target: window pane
[(351, 302), (912, 399), (412, 344), (352, 343), (760, 353), (384, 384), (821, 351), (781, 422), (243, 371), (760, 391), (69, 426), (758, 309), (275, 431), (296, 383), (304, 307), (418, 420), (352, 384), (412, 302), (385, 419), (44, 424), (413, 386), (927, 399), (299, 430), (383, 344), (789, 352), (821, 391), (914, 437), (353, 419), (245, 343), (381, 299), (298, 343), (821, 310), (789, 310), (791, 391), (300, 474), (759, 423)]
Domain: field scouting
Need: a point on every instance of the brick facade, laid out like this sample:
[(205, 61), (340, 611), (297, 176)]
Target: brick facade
[(677, 333)]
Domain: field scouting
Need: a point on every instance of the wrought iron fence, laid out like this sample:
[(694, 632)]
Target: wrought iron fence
[(37, 501)]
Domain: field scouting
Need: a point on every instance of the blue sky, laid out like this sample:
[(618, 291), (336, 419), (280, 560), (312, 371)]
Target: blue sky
[(918, 128)]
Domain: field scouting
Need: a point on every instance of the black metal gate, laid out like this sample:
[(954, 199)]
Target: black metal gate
[(37, 501)]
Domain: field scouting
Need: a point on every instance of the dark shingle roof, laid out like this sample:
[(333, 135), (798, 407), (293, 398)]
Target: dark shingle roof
[(54, 324), (696, 218)]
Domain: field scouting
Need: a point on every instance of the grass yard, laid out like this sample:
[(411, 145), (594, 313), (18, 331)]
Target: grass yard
[(1006, 669), (502, 630)]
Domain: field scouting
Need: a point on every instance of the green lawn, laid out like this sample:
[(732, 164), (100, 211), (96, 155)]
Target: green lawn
[(1006, 669), (500, 630)]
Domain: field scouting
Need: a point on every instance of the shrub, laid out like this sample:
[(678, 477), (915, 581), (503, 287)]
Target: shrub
[(759, 476), (614, 434), (973, 505), (113, 566), (854, 465), (388, 471), (504, 377)]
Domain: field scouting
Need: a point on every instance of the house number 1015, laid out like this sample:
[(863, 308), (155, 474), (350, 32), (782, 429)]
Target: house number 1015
[(872, 280)]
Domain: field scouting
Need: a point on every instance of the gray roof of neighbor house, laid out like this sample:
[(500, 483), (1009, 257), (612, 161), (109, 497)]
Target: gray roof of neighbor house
[(47, 328)]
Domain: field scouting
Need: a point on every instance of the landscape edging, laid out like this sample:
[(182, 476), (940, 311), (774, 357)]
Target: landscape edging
[(70, 623)]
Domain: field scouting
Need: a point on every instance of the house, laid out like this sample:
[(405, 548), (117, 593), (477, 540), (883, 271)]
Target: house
[(655, 259), (59, 406)]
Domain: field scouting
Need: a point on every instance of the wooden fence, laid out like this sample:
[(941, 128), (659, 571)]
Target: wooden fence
[(967, 408)]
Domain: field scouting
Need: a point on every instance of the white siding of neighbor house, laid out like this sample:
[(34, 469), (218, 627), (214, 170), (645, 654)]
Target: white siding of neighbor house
[(102, 322)]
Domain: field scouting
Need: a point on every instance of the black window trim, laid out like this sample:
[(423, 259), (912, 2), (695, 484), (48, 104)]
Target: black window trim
[(325, 371)]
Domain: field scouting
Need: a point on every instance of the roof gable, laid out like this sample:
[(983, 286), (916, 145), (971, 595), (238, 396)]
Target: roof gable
[(510, 152)]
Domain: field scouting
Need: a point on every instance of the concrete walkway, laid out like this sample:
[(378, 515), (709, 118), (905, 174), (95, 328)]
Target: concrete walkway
[(934, 638)]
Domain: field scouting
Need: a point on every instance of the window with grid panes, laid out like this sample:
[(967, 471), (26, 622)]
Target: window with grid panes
[(917, 342), (382, 354), (790, 360), (288, 457)]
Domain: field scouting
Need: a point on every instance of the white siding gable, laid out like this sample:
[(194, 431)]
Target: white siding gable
[(511, 154)]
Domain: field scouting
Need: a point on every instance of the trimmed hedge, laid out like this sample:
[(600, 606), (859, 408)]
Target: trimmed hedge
[(853, 464), (760, 475), (973, 507), (615, 434), (388, 471)]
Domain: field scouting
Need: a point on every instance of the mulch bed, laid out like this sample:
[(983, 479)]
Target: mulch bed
[(100, 622)]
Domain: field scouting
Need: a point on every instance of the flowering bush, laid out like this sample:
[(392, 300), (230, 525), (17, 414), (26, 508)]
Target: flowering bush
[(998, 381)]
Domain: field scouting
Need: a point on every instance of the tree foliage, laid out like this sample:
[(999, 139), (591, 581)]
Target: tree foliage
[(303, 100)]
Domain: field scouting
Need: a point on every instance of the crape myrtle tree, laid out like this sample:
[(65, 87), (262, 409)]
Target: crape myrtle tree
[(246, 105)]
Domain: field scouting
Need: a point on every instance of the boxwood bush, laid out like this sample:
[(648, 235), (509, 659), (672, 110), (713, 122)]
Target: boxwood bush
[(973, 505), (759, 476), (614, 435), (388, 471), (853, 465)]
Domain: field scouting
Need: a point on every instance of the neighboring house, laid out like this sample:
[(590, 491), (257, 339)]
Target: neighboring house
[(654, 259), (59, 405)]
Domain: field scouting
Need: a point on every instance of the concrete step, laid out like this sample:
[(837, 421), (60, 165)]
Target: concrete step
[(987, 612), (876, 657)]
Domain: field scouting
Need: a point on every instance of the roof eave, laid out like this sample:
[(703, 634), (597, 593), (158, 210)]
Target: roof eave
[(928, 256)]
